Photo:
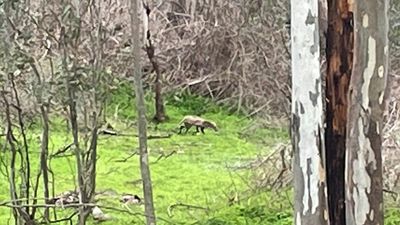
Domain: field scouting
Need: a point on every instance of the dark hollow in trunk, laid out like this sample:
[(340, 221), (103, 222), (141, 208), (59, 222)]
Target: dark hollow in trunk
[(339, 67)]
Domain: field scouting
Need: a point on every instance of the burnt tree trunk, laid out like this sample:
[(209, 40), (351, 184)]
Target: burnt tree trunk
[(160, 115), (339, 52), (307, 115), (364, 198)]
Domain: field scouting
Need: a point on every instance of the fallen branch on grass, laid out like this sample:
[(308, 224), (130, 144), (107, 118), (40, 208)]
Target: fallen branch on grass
[(165, 156), (69, 218), (62, 150), (126, 158), (187, 206), (76, 205), (149, 137), (156, 136), (161, 156)]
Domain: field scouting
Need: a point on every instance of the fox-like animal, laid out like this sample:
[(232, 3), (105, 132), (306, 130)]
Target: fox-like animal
[(200, 123)]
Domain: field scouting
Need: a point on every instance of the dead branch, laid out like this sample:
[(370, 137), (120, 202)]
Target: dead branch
[(149, 137), (165, 156), (69, 218), (186, 206), (128, 157), (78, 205), (61, 151)]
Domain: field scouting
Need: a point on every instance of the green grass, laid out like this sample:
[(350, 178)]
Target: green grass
[(196, 175)]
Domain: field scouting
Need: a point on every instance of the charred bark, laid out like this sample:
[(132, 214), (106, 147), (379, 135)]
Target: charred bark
[(339, 52), (160, 115)]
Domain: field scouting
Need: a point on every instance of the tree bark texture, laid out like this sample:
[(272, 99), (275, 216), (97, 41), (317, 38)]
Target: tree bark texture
[(307, 115), (364, 198), (142, 123), (339, 51)]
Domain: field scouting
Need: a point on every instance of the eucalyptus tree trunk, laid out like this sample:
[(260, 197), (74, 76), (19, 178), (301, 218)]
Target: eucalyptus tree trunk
[(142, 123), (307, 115), (364, 198)]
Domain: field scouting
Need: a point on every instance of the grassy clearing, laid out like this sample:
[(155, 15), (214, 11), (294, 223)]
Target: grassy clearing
[(195, 175)]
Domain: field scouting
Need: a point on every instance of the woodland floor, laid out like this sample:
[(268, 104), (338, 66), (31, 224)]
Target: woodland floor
[(196, 173)]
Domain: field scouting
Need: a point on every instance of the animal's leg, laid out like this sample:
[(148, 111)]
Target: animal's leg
[(188, 126), (202, 130), (180, 129)]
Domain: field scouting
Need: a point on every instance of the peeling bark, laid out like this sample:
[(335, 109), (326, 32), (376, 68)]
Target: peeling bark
[(339, 67), (367, 103), (307, 115)]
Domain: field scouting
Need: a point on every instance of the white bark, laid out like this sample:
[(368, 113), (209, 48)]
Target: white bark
[(307, 110)]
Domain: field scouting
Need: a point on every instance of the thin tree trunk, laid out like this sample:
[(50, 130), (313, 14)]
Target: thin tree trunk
[(364, 196), (339, 67), (44, 145), (44, 156), (160, 115), (142, 126), (77, 151), (21, 215), (96, 101), (12, 174), (307, 115), (73, 118)]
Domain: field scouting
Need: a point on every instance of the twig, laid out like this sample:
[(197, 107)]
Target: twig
[(63, 150), (165, 156), (69, 218), (126, 158), (149, 137), (91, 205), (187, 206), (157, 136)]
